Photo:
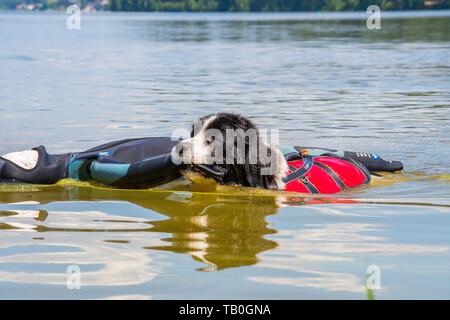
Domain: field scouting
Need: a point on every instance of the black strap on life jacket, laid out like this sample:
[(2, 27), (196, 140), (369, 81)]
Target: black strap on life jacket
[(332, 174), (300, 172), (355, 163), (362, 168), (308, 184)]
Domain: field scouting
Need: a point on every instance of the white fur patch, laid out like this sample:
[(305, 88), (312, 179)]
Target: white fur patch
[(26, 159), (194, 149), (281, 168)]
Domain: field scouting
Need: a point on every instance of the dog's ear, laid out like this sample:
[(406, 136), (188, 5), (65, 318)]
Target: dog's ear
[(269, 182), (278, 167), (256, 180), (199, 124), (252, 175)]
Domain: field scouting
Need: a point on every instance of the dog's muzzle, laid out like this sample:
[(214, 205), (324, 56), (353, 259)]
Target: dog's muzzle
[(217, 173)]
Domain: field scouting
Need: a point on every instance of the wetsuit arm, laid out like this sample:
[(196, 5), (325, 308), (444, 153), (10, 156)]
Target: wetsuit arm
[(149, 172)]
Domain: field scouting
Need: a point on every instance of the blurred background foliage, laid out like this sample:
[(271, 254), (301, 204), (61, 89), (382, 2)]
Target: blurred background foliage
[(226, 5)]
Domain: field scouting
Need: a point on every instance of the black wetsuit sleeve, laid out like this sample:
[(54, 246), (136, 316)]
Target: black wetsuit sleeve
[(132, 163), (150, 172)]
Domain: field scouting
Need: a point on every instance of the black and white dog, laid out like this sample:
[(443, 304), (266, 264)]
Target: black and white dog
[(230, 149)]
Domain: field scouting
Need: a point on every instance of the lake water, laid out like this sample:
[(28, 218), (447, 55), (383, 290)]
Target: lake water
[(322, 79)]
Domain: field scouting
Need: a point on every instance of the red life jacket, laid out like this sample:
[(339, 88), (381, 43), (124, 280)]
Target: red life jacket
[(325, 174)]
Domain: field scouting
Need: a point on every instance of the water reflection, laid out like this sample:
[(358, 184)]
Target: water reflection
[(221, 231), (117, 243), (43, 256), (122, 237), (303, 252), (280, 29)]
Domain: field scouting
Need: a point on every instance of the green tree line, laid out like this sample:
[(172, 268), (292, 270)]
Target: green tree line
[(239, 5), (272, 5)]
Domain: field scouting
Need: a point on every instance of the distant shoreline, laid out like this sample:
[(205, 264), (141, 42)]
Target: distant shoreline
[(229, 12), (245, 6), (224, 12), (231, 15)]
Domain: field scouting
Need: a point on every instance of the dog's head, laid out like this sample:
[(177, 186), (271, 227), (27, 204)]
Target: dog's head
[(228, 148)]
